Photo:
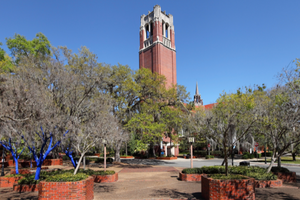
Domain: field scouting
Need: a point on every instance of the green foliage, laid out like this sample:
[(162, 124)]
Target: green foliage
[(29, 180), (67, 177), (192, 171), (245, 156), (279, 169), (229, 177), (14, 175), (209, 156), (20, 46)]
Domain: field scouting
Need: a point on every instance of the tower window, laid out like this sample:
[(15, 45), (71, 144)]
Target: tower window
[(147, 31), (166, 31)]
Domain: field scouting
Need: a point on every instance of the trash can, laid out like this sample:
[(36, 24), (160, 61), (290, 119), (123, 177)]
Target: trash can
[(245, 163)]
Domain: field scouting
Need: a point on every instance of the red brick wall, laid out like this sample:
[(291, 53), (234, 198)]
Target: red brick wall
[(21, 171), (49, 162), (106, 178), (267, 183), (26, 188), (190, 177), (227, 189), (287, 177), (81, 190), (9, 181)]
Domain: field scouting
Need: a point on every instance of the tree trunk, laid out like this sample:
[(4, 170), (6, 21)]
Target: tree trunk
[(271, 163), (279, 161), (117, 152), (294, 156), (225, 158), (78, 165), (17, 167), (153, 150)]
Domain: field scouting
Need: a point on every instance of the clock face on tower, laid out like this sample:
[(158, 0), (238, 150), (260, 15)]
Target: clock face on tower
[(157, 44)]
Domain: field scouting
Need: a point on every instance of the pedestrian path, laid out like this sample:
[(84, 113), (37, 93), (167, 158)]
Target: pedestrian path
[(149, 169)]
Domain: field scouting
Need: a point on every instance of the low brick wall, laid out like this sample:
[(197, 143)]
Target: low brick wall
[(190, 177), (286, 177), (8, 181), (26, 164), (26, 171), (49, 162), (166, 158), (227, 189), (105, 178), (268, 183), (126, 156), (81, 190), (26, 188), (11, 163)]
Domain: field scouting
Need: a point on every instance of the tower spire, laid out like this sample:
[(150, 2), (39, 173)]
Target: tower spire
[(197, 97), (197, 92)]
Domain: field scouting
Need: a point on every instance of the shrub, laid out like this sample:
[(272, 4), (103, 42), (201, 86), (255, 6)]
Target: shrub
[(279, 169), (65, 157), (245, 156), (209, 156), (192, 171), (217, 153), (251, 156), (29, 180), (14, 175), (230, 176), (268, 154), (66, 177), (260, 176)]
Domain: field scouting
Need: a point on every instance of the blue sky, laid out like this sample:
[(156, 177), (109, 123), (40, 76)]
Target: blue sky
[(221, 44)]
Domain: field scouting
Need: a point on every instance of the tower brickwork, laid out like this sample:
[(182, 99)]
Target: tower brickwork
[(157, 44)]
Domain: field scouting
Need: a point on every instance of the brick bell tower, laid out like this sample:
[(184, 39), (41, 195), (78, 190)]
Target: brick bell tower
[(157, 44)]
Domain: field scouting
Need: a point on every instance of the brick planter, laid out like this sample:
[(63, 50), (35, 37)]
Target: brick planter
[(49, 162), (126, 156), (67, 190), (286, 177), (11, 163), (166, 158), (26, 164), (227, 189), (26, 188), (26, 171), (105, 178), (189, 157), (97, 154), (268, 183), (9, 181), (5, 164), (190, 177)]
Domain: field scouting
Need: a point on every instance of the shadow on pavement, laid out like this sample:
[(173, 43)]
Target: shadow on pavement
[(98, 188), (175, 194), (264, 194), (146, 162)]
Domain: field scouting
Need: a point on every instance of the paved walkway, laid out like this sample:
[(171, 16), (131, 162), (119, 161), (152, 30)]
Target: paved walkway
[(155, 182)]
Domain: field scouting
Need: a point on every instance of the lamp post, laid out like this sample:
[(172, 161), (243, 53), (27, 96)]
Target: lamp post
[(104, 142), (191, 140)]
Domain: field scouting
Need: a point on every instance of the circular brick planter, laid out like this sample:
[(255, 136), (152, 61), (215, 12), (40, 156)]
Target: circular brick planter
[(227, 189), (190, 177), (268, 183), (126, 156), (9, 181), (26, 188), (105, 178), (286, 177), (67, 190), (166, 158)]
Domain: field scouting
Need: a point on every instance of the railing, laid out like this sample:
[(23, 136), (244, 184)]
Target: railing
[(166, 42), (148, 42)]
